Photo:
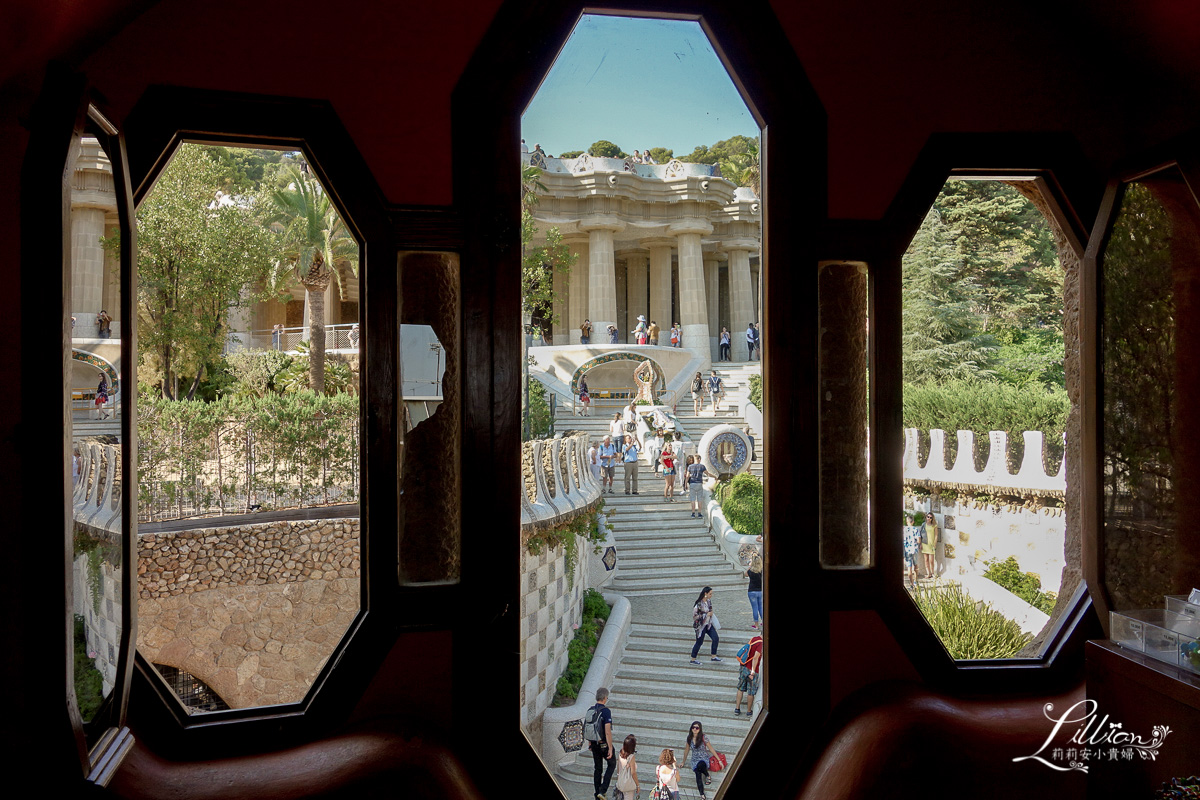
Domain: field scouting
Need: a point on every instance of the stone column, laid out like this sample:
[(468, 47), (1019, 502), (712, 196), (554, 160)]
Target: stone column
[(577, 301), (559, 334), (602, 273), (712, 293), (692, 302), (93, 198), (660, 288), (636, 287), (741, 293)]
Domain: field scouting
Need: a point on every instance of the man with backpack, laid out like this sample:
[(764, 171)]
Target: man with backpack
[(749, 659), (597, 730)]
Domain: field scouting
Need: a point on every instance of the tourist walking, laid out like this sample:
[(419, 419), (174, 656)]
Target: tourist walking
[(627, 777), (705, 623), (695, 483), (585, 400), (668, 471), (912, 546), (748, 672), (630, 418), (629, 462), (751, 341), (608, 464), (585, 332), (594, 464), (754, 592), (654, 448), (616, 428), (697, 393), (725, 340), (929, 544), (597, 723), (715, 389), (667, 776), (699, 751)]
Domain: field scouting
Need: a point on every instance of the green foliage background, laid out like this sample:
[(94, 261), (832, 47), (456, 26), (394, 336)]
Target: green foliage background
[(741, 501), (1025, 585)]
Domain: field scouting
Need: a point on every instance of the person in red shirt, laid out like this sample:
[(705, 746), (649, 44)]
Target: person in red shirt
[(748, 676)]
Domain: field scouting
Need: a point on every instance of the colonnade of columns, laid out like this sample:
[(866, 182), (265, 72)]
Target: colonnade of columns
[(95, 282), (591, 290)]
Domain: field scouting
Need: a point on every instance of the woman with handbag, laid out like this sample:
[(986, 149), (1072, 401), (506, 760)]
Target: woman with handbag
[(627, 779), (666, 787), (704, 621), (697, 393), (697, 755)]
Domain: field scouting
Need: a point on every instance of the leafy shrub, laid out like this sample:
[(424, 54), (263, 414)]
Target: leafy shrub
[(539, 411), (741, 501), (1025, 585), (89, 683), (594, 606), (983, 406), (756, 391), (583, 646), (969, 629)]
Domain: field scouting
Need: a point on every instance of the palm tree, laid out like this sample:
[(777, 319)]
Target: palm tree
[(743, 168), (316, 241)]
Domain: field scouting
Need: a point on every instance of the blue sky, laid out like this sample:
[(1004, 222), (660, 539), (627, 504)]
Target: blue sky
[(640, 83)]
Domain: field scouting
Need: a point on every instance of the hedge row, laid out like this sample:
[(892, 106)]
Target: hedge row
[(227, 456)]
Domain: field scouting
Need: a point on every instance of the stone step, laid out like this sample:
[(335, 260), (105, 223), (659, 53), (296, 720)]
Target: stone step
[(679, 583), (662, 563), (632, 689)]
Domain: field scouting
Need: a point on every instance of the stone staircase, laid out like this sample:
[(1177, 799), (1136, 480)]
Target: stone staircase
[(665, 557)]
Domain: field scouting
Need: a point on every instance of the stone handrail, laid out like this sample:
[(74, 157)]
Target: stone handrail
[(93, 501), (1031, 478), (556, 501)]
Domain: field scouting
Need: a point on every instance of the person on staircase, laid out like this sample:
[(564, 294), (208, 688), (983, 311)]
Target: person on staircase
[(704, 622), (716, 388), (725, 342), (754, 592), (695, 484), (699, 751), (630, 464), (627, 777), (697, 393), (667, 774), (668, 472)]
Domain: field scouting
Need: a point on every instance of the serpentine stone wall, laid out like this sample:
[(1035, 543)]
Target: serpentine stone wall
[(253, 610)]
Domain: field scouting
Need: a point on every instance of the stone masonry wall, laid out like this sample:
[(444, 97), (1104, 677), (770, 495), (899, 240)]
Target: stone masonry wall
[(254, 611)]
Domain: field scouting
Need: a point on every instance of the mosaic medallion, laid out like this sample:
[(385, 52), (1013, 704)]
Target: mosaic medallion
[(728, 452), (610, 559), (571, 737), (746, 553)]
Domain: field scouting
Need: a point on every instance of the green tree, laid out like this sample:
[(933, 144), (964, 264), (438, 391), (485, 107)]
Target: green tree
[(571, 154), (197, 260), (661, 155), (606, 149), (742, 167), (942, 336), (315, 242)]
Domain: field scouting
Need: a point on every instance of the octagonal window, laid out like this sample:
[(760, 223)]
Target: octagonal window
[(985, 412), (248, 344), (641, 267)]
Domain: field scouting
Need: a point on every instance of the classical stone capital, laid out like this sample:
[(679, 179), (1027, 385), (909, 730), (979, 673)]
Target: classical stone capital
[(701, 227), (740, 243), (601, 223)]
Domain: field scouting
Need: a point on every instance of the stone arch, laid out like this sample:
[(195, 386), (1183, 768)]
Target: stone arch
[(100, 363), (617, 355)]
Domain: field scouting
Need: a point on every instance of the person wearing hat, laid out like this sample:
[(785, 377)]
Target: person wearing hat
[(639, 333)]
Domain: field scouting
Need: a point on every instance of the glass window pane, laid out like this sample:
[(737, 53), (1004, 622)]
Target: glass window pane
[(985, 410), (248, 427)]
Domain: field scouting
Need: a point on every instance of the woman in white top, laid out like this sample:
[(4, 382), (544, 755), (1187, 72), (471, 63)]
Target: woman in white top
[(668, 772), (627, 777)]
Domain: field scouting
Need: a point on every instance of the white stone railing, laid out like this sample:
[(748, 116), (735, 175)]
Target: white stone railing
[(95, 502), (556, 499), (1030, 478)]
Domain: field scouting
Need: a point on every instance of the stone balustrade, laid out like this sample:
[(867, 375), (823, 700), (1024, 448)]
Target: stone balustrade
[(96, 502), (1030, 479), (561, 492)]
